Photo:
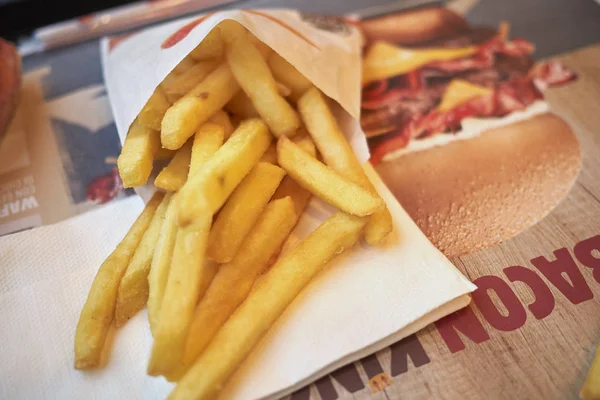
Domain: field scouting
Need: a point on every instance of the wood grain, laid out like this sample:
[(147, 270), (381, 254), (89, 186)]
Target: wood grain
[(546, 358)]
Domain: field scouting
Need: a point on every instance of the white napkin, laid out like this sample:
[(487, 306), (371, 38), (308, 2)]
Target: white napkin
[(365, 301)]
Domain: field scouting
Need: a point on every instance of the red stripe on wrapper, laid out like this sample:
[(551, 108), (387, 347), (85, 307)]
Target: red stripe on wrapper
[(182, 32)]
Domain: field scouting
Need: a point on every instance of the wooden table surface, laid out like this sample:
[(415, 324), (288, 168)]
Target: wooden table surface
[(532, 328)]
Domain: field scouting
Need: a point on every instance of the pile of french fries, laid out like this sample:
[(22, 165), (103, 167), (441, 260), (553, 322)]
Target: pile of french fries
[(245, 134)]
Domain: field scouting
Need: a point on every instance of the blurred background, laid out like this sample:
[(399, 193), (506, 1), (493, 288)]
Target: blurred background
[(19, 18), (554, 25), (58, 154)]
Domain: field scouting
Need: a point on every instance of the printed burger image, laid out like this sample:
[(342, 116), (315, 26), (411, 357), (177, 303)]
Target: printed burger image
[(458, 127)]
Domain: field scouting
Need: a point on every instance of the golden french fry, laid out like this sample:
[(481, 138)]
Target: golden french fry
[(241, 211), (137, 154), (591, 387), (287, 74), (133, 289), (185, 64), (324, 182), (173, 176), (99, 309), (304, 141), (266, 302), (234, 280), (207, 140), (338, 154), (208, 189), (261, 46), (195, 108), (211, 47), (161, 264), (164, 154), (186, 81), (154, 110), (188, 271), (231, 30), (242, 106), (222, 118), (283, 90), (252, 73), (168, 81), (290, 188), (270, 156), (180, 68)]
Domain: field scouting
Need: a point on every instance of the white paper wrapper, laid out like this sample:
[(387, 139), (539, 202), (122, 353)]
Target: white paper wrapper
[(367, 299), (135, 67)]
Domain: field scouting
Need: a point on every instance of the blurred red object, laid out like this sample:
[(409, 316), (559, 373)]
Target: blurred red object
[(10, 83), (104, 188)]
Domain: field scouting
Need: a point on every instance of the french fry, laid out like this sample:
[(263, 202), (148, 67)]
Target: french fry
[(222, 118), (266, 302), (270, 156), (186, 81), (242, 106), (338, 154), (135, 160), (234, 280), (242, 210), (261, 46), (195, 108), (591, 387), (185, 64), (252, 73), (231, 30), (161, 264), (283, 90), (208, 189), (187, 276), (133, 289), (173, 176), (168, 80), (207, 140), (99, 308), (211, 47), (287, 74), (290, 188), (164, 154), (304, 141), (324, 182), (154, 110)]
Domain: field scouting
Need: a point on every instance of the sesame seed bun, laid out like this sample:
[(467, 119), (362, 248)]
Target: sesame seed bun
[(472, 194), (414, 26)]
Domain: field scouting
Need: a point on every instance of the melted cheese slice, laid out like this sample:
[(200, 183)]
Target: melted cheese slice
[(460, 91), (385, 60)]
